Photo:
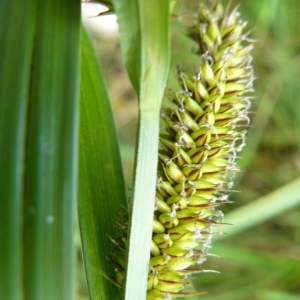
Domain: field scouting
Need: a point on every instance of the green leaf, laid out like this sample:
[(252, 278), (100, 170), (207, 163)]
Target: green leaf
[(144, 29), (130, 31), (17, 24), (263, 209), (278, 295), (101, 186), (51, 153)]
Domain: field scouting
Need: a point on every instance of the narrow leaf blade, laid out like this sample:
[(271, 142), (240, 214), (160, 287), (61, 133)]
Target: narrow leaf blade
[(144, 28), (101, 187), (263, 209)]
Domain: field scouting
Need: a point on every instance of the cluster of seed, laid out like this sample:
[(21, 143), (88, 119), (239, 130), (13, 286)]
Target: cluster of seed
[(197, 154)]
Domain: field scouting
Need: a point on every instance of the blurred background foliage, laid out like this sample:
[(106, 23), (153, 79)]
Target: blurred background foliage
[(263, 262)]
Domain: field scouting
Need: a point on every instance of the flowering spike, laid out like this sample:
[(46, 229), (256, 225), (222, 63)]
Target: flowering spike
[(205, 131)]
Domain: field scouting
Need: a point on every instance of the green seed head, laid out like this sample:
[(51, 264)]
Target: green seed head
[(205, 132)]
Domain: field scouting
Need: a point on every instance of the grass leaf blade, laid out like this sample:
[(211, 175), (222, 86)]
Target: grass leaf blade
[(101, 186), (144, 28)]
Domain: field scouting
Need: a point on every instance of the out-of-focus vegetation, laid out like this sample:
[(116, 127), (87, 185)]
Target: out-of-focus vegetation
[(262, 262)]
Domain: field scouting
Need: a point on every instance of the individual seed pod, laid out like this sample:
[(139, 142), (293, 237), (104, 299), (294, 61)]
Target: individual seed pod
[(209, 43), (161, 205), (199, 210), (232, 43), (170, 276), (199, 185), (228, 31), (216, 144), (217, 161), (213, 103), (212, 169), (201, 136), (235, 73), (206, 119), (205, 194), (183, 138), (219, 133), (182, 188), (198, 155), (173, 172), (167, 144), (198, 227), (157, 227), (226, 106), (186, 120), (170, 286), (162, 240), (186, 244), (179, 264), (200, 91), (221, 75), (234, 89), (188, 191), (192, 106), (192, 172), (156, 295), (168, 221), (154, 249), (225, 119), (177, 233), (214, 178), (196, 201), (186, 213), (235, 61), (191, 227), (179, 200), (216, 151), (213, 31), (218, 148), (220, 63), (207, 71), (216, 90), (165, 188), (182, 233), (158, 263), (175, 252), (181, 157), (201, 214), (152, 280)]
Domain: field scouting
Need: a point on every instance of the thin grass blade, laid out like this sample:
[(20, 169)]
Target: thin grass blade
[(144, 29), (101, 187), (263, 209)]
